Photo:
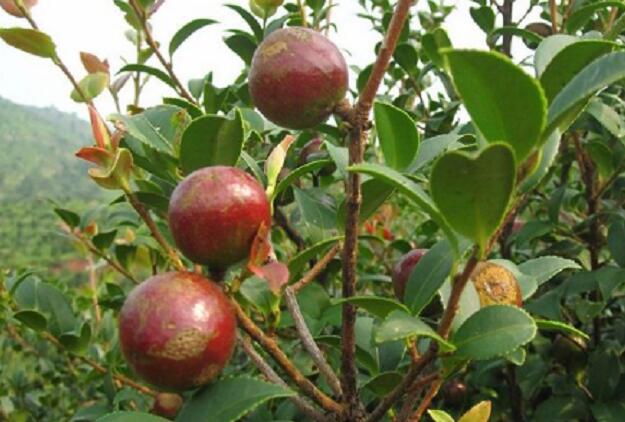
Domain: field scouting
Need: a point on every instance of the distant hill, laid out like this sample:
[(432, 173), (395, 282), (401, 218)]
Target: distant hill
[(37, 163)]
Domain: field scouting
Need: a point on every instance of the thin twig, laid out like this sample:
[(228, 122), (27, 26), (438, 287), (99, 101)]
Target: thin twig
[(271, 376), (553, 11), (270, 345), (316, 269), (425, 403), (413, 394), (156, 233), (358, 135), (290, 231), (141, 15), (309, 343), (302, 12)]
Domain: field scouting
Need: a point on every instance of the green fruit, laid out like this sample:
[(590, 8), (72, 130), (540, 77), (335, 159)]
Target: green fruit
[(264, 8)]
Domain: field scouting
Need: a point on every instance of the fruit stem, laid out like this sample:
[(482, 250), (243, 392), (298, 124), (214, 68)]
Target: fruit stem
[(358, 119), (302, 12), (273, 377)]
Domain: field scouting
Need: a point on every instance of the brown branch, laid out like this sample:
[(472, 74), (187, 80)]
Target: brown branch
[(95, 251), (506, 14), (270, 345), (516, 395), (316, 269), (413, 394), (425, 403), (271, 376), (309, 343), (156, 233), (143, 18), (359, 118), (553, 11)]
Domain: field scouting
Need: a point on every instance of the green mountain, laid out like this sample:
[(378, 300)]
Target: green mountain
[(37, 164)]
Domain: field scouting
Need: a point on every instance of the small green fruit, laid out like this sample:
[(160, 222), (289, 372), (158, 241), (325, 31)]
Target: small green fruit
[(264, 8)]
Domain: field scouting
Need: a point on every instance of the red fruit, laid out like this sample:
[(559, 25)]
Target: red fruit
[(214, 214), (167, 405), (402, 270), (297, 78), (10, 7), (177, 330)]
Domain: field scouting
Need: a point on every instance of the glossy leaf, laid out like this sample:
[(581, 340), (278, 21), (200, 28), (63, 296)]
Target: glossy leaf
[(432, 44), (473, 193), (440, 415), (230, 399), (397, 133), (557, 326), (428, 276), (30, 41), (582, 14), (493, 331), (375, 305), (374, 193), (600, 73), (400, 325), (186, 31), (506, 104), (546, 267), (478, 413), (130, 417), (211, 141), (152, 71), (616, 240)]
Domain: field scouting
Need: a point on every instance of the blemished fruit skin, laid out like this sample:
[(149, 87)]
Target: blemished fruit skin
[(496, 285), (10, 7), (297, 78), (214, 214), (177, 330), (403, 268), (167, 405)]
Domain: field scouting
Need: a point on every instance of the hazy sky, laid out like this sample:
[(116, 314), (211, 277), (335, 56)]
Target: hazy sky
[(97, 26)]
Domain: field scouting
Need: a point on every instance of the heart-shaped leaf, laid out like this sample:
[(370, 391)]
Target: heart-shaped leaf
[(473, 193), (505, 103), (211, 141)]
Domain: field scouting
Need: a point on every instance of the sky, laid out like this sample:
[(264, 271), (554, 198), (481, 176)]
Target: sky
[(97, 27)]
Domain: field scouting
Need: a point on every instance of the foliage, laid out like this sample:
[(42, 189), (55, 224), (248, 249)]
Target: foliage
[(533, 181)]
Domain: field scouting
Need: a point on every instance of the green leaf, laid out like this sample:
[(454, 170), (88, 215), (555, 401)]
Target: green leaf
[(398, 135), (30, 41), (607, 117), (363, 357), (609, 412), (77, 340), (299, 261), (602, 156), (104, 240), (243, 45), (528, 36), (375, 305), (473, 193), (506, 104), (130, 417), (315, 212), (91, 86), (484, 17), (256, 291), (603, 374), (32, 319), (432, 44), (581, 15), (400, 325), (383, 383), (548, 155), (428, 276), (230, 399), (546, 267), (406, 56), (570, 100), (440, 415), (557, 326), (299, 172), (616, 240), (408, 188), (433, 147), (211, 141), (186, 31), (493, 331), (569, 61), (69, 217), (548, 49), (157, 73), (250, 20)]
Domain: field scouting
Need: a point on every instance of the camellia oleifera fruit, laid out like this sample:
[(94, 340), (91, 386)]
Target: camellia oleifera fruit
[(214, 214), (10, 7), (297, 78), (496, 285), (403, 268), (265, 8), (177, 330), (167, 405)]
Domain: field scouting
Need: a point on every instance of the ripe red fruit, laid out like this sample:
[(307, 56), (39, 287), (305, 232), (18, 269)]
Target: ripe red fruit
[(214, 214), (402, 270), (177, 330), (10, 7), (297, 78), (167, 405)]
